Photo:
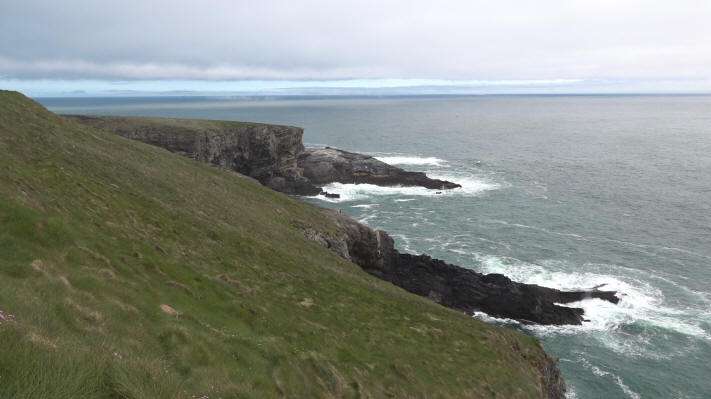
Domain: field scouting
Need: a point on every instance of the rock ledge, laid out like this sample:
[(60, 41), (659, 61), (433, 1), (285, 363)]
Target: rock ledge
[(329, 165)]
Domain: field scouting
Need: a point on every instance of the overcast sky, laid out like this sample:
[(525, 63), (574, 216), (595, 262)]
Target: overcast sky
[(176, 44)]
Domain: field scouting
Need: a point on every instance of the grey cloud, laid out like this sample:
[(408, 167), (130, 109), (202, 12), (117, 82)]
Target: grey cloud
[(546, 39)]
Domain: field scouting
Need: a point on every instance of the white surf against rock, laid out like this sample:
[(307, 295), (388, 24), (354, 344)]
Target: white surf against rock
[(642, 304), (410, 160), (471, 186)]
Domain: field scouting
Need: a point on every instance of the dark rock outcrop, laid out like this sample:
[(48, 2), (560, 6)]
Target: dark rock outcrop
[(329, 165), (493, 294), (454, 286), (267, 153)]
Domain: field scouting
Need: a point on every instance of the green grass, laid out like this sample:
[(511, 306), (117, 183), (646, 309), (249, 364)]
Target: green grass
[(97, 232)]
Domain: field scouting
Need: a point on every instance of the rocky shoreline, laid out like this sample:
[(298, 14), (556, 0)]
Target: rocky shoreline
[(330, 165), (276, 157), (450, 285), (272, 154)]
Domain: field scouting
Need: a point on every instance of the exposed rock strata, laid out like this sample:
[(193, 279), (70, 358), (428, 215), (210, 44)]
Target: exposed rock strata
[(328, 165), (267, 153), (450, 285), (272, 154)]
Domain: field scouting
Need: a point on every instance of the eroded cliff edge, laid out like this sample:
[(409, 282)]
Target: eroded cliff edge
[(268, 153), (272, 154)]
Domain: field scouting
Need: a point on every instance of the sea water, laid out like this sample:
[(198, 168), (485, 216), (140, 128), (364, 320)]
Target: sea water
[(563, 191)]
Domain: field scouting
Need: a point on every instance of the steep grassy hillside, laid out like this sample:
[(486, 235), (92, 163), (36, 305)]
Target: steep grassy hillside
[(133, 272)]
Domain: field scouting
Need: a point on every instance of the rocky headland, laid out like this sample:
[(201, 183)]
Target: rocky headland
[(276, 157), (450, 285), (272, 154)]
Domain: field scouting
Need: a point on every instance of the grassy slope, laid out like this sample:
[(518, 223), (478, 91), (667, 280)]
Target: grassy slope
[(97, 232)]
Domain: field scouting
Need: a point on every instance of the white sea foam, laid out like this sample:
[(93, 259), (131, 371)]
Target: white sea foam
[(471, 186), (641, 303), (403, 243), (597, 371), (494, 320), (410, 160), (359, 192), (630, 393), (364, 206), (524, 226)]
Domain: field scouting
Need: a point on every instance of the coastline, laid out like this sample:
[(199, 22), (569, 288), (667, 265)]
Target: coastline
[(272, 153), (175, 278), (546, 219)]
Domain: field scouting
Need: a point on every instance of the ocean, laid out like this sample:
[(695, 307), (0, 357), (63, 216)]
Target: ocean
[(562, 191)]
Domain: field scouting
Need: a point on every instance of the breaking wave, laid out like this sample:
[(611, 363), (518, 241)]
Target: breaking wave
[(471, 186), (408, 160), (642, 305)]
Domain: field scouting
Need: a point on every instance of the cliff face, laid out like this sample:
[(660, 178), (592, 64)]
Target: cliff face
[(267, 153), (272, 154)]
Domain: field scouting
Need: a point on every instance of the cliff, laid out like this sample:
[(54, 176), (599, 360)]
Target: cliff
[(272, 154), (268, 153), (136, 273)]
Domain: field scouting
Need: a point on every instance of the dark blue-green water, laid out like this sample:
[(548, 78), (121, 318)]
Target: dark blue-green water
[(562, 191)]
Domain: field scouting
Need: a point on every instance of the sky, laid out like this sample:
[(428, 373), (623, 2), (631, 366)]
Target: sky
[(85, 47)]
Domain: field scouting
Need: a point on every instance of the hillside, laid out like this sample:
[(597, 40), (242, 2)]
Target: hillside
[(277, 158), (133, 272)]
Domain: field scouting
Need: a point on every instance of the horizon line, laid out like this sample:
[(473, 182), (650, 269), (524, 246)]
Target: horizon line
[(219, 96), (351, 87)]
